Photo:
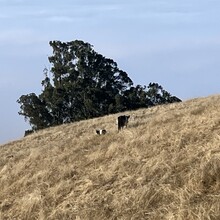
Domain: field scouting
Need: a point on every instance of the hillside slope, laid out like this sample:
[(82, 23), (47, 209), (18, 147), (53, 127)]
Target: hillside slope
[(165, 165)]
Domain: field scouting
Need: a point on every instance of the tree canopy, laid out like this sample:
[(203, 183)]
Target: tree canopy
[(83, 84)]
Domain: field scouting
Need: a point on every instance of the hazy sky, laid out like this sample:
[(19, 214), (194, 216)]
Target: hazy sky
[(173, 42)]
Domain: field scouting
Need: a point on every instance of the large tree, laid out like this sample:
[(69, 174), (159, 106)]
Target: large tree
[(82, 84)]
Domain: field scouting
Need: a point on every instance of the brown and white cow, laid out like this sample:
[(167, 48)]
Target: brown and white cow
[(101, 132)]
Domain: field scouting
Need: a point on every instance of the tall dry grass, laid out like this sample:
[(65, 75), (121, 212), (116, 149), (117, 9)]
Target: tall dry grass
[(165, 165)]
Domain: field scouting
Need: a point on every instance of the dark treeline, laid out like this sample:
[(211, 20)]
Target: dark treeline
[(83, 84)]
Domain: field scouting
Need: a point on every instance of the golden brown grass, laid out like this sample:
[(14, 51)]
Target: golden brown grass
[(165, 165)]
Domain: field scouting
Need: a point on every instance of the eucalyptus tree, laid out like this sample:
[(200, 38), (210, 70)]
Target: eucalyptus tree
[(82, 84)]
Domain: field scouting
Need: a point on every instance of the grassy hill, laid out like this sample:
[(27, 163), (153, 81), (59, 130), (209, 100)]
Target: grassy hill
[(165, 165)]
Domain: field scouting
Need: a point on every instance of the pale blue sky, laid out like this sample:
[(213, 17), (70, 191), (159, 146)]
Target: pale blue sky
[(173, 42)]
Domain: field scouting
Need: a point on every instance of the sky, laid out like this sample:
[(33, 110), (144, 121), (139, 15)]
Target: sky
[(175, 43)]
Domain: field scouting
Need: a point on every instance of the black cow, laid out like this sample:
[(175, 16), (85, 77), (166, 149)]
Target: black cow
[(28, 132), (101, 131), (123, 121)]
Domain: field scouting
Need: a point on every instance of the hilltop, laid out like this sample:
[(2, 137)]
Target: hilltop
[(165, 165)]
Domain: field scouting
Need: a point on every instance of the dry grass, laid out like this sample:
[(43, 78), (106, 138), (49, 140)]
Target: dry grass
[(165, 165)]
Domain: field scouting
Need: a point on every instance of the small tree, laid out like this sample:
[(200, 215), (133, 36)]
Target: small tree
[(157, 95), (33, 109)]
